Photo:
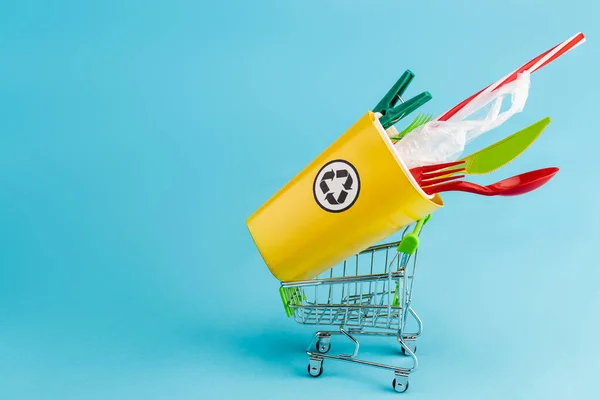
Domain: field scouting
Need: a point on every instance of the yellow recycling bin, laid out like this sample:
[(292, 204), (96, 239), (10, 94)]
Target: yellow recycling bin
[(354, 194)]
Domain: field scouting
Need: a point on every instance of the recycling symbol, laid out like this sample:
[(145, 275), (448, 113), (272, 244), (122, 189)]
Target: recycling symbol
[(336, 186), (347, 185)]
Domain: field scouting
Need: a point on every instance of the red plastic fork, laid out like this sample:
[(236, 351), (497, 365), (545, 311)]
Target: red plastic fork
[(513, 186), (437, 173)]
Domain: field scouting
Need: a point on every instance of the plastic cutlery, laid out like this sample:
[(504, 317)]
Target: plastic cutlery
[(433, 174), (419, 120), (513, 186), (503, 152)]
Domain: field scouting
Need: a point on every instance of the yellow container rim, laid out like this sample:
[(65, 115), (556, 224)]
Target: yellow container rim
[(434, 199)]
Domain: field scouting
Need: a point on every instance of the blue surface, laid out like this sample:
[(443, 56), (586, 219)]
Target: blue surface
[(136, 137)]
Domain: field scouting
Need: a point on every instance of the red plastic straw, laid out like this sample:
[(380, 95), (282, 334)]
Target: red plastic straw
[(532, 66)]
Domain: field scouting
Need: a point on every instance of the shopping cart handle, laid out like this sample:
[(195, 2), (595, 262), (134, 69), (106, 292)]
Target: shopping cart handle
[(410, 242)]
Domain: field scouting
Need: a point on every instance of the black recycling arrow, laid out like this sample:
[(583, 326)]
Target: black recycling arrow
[(324, 187), (348, 183), (328, 175), (342, 197), (343, 173), (331, 199)]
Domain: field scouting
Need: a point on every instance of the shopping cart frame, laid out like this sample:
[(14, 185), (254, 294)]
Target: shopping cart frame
[(357, 313)]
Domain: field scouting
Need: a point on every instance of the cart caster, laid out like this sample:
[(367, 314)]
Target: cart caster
[(323, 345), (315, 367), (412, 346), (410, 342), (400, 384)]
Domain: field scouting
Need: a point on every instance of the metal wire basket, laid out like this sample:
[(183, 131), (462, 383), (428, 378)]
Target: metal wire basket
[(368, 294)]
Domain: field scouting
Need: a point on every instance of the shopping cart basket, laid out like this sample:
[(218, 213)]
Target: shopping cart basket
[(369, 294)]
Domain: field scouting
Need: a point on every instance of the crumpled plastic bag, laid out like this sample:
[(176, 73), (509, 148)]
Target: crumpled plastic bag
[(444, 141)]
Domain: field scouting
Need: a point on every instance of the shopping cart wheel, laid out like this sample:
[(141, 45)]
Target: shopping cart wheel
[(400, 385), (315, 368), (411, 346), (323, 345)]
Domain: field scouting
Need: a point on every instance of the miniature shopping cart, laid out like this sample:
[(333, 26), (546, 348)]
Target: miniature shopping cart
[(369, 294)]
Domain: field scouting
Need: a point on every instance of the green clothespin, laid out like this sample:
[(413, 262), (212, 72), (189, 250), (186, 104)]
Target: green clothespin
[(386, 106)]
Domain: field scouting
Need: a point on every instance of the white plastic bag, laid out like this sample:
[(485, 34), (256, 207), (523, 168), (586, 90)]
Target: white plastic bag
[(444, 141)]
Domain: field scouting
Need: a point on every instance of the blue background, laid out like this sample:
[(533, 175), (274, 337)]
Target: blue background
[(137, 136)]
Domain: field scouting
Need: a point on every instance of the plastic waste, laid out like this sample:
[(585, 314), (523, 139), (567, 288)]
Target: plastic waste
[(444, 141)]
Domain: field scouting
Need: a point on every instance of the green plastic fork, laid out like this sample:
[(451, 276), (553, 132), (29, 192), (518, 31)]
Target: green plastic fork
[(420, 119)]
